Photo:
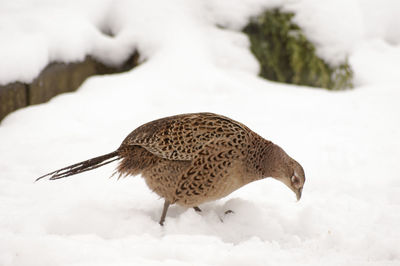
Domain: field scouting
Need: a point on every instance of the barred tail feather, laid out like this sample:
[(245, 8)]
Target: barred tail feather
[(82, 166)]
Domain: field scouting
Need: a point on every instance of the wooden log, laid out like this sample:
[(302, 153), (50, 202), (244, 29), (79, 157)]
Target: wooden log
[(56, 78)]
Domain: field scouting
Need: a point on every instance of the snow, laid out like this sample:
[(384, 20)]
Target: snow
[(347, 142), (337, 27), (35, 33)]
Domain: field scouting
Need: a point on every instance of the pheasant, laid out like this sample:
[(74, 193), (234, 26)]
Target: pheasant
[(190, 159)]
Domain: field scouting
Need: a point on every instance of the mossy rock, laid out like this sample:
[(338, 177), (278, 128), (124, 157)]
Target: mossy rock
[(287, 56)]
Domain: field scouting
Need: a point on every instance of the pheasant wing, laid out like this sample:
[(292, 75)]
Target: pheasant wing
[(181, 137)]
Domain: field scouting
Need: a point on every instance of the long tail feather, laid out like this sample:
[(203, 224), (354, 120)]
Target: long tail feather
[(82, 166)]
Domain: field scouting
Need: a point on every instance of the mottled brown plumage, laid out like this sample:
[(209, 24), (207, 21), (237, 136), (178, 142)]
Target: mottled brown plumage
[(190, 159)]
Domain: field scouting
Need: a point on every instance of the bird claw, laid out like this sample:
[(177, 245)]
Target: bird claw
[(225, 213), (228, 212), (197, 209)]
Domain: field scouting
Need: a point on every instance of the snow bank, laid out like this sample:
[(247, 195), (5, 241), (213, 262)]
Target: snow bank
[(338, 27), (347, 143), (37, 33)]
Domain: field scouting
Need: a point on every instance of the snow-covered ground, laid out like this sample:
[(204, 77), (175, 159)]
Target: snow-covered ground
[(348, 142)]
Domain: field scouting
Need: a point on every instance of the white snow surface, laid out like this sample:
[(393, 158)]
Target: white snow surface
[(348, 142)]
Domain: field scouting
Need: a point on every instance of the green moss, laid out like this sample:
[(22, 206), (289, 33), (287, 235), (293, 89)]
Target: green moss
[(287, 56)]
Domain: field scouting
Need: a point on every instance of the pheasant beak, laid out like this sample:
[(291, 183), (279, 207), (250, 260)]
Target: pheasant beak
[(298, 193)]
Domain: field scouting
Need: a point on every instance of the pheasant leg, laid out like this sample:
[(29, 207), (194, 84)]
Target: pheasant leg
[(164, 212)]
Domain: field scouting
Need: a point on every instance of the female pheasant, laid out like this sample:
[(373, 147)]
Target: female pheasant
[(190, 159)]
